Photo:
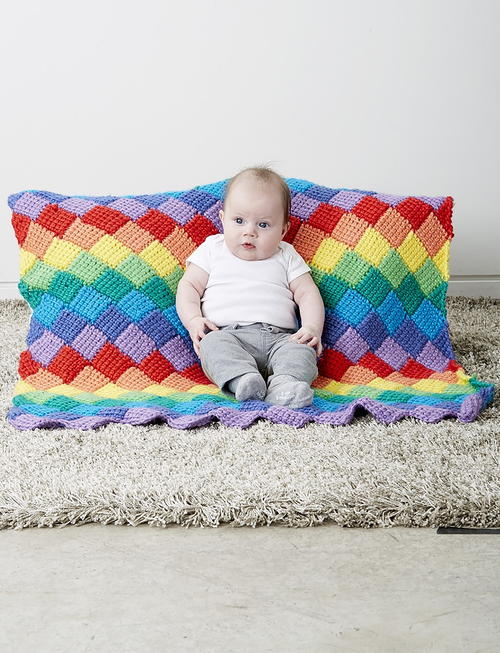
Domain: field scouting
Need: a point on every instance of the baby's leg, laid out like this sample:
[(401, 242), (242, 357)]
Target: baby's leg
[(294, 368), (230, 366)]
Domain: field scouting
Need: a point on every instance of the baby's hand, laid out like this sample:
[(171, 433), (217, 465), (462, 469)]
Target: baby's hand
[(309, 335), (198, 328)]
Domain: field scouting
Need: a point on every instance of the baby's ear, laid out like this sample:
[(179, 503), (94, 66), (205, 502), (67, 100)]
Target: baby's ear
[(221, 214)]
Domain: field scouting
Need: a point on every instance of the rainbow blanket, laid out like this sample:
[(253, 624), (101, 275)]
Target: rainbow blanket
[(105, 343)]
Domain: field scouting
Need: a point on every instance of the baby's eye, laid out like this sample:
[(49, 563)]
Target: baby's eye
[(236, 220), (263, 223)]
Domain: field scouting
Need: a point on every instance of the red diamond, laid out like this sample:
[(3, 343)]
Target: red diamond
[(292, 229), (111, 362), (443, 214), (67, 364), (376, 364), (156, 367), (415, 370), (333, 364), (325, 217), (109, 220), (370, 209), (56, 219), (199, 228), (27, 365), (21, 225), (158, 224), (414, 210)]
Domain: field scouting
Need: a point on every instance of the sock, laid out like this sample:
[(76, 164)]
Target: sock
[(248, 386), (285, 390)]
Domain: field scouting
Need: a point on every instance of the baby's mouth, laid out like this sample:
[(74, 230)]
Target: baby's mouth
[(248, 245)]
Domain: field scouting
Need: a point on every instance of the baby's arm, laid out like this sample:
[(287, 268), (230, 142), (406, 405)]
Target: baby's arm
[(312, 311), (187, 302), (189, 292)]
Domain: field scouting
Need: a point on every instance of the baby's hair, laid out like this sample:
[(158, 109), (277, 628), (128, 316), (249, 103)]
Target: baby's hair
[(267, 175)]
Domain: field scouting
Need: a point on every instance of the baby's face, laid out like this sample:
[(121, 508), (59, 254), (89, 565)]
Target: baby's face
[(253, 214)]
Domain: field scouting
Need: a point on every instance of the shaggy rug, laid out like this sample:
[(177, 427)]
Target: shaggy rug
[(364, 474)]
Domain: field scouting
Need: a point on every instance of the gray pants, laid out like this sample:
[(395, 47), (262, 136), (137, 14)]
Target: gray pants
[(259, 347)]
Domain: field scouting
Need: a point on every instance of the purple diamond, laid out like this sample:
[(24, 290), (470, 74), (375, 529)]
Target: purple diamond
[(177, 353), (303, 206), (346, 199), (352, 345), (129, 207), (30, 205), (45, 348), (390, 352), (213, 215), (177, 210), (435, 202), (135, 343), (392, 200), (89, 341), (77, 205), (432, 358)]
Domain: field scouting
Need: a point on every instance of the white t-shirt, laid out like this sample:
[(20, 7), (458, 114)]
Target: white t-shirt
[(243, 292)]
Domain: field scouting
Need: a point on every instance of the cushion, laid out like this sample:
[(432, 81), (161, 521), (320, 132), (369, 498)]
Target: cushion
[(105, 343)]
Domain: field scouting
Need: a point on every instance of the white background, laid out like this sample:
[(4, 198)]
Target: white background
[(121, 98)]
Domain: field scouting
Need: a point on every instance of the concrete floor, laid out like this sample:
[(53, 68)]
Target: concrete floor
[(118, 588)]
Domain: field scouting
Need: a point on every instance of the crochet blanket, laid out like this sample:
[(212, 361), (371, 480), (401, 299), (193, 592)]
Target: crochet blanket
[(105, 343)]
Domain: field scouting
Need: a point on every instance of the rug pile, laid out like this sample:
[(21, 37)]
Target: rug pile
[(364, 474)]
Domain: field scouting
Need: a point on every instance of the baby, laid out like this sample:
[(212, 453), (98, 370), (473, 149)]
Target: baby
[(239, 294)]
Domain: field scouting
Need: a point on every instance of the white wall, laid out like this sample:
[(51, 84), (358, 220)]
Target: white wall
[(132, 97)]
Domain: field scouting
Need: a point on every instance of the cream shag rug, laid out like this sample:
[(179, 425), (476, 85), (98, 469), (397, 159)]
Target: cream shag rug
[(361, 475)]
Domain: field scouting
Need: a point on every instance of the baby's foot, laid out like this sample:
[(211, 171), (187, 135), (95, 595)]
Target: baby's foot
[(248, 386), (285, 390)]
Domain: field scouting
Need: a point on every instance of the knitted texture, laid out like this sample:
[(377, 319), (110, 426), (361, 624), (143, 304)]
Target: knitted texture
[(105, 343)]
